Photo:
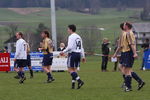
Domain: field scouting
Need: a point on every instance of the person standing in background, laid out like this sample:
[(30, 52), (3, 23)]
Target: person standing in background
[(61, 47), (105, 54), (5, 49), (116, 46), (144, 46)]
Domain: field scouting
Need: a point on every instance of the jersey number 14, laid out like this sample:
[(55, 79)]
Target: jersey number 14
[(78, 44)]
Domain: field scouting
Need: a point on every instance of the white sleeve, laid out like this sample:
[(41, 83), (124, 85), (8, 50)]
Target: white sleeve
[(17, 49), (70, 45)]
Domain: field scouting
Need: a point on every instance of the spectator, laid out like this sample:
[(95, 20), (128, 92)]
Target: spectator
[(61, 47), (145, 46), (5, 49), (116, 63), (105, 53), (143, 38)]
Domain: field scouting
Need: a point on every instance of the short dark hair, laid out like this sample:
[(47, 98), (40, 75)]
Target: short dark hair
[(122, 26), (147, 40), (72, 27), (46, 32), (129, 25)]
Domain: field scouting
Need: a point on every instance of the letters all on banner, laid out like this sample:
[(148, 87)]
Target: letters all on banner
[(4, 62)]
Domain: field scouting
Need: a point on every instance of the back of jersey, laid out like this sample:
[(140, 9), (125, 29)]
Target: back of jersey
[(77, 43)]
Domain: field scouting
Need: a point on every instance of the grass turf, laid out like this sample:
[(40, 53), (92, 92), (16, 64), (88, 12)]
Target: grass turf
[(98, 85)]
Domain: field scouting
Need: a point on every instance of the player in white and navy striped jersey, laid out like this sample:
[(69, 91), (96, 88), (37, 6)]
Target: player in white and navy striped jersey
[(75, 53)]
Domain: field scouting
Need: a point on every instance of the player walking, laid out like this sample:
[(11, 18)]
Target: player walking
[(127, 47), (47, 48), (76, 51), (21, 56)]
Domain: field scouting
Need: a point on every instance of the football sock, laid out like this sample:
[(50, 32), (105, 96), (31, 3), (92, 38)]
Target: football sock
[(49, 75), (22, 74), (128, 79), (18, 73), (31, 72), (75, 76), (124, 77), (136, 77)]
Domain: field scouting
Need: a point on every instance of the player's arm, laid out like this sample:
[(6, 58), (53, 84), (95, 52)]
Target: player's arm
[(82, 53), (118, 49), (18, 47), (70, 45), (132, 44), (28, 48)]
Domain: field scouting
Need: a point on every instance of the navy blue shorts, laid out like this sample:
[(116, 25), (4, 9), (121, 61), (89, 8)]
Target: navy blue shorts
[(28, 60), (127, 59), (20, 63), (74, 60), (47, 59)]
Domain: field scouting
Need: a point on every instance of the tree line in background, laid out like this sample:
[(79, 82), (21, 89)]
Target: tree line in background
[(72, 4), (83, 6)]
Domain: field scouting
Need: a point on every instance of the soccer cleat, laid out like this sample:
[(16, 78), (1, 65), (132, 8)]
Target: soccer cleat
[(22, 80), (127, 89), (80, 84), (17, 77), (50, 80), (140, 85)]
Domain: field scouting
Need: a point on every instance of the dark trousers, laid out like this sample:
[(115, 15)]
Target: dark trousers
[(104, 63), (142, 64), (115, 66)]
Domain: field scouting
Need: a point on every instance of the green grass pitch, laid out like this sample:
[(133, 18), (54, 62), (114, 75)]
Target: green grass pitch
[(98, 85)]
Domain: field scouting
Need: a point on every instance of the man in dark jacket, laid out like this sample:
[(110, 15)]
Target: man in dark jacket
[(105, 53)]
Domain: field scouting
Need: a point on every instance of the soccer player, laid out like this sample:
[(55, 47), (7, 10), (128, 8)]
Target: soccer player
[(29, 61), (47, 48), (76, 51), (28, 64), (127, 47), (21, 56)]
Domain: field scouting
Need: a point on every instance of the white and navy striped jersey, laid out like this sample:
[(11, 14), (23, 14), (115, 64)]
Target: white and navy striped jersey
[(21, 49), (75, 45)]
